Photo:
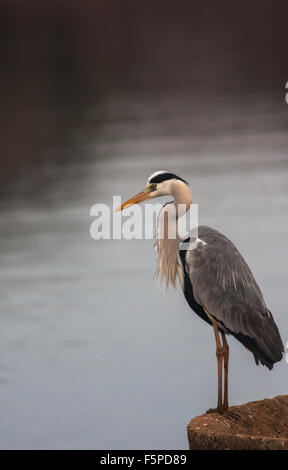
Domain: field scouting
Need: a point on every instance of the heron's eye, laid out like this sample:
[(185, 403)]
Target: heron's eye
[(153, 186)]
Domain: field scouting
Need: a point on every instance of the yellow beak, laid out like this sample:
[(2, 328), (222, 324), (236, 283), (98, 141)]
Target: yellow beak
[(135, 199)]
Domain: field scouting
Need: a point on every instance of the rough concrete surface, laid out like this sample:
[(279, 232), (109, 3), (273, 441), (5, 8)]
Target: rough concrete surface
[(258, 425)]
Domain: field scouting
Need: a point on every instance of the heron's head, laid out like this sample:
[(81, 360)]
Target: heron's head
[(160, 183)]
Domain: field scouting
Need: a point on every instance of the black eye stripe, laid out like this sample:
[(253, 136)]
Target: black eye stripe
[(164, 177)]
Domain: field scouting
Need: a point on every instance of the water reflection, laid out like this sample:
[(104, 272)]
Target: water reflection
[(89, 345)]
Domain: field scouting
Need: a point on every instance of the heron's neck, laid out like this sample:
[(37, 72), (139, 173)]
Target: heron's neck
[(168, 238), (182, 197)]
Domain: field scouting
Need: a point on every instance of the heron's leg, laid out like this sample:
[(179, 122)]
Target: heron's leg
[(226, 364), (219, 354)]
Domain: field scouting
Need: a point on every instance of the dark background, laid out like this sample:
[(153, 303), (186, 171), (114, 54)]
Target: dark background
[(59, 58)]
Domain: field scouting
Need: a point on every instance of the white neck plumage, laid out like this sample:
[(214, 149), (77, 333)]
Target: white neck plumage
[(168, 239)]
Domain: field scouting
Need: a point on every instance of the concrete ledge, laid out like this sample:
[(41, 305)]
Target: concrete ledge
[(258, 425)]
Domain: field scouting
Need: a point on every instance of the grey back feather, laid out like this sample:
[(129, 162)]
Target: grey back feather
[(225, 286)]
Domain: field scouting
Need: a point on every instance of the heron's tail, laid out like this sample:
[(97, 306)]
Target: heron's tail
[(267, 348)]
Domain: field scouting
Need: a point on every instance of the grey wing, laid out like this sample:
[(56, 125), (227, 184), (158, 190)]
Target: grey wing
[(224, 286)]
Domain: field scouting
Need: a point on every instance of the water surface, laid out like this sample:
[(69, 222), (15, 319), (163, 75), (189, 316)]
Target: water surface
[(93, 354)]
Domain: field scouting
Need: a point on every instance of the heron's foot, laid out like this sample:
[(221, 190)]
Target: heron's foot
[(231, 414), (215, 410)]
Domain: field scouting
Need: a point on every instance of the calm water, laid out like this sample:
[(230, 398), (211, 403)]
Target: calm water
[(93, 354)]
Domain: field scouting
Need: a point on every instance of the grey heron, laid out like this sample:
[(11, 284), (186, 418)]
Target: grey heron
[(217, 282)]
